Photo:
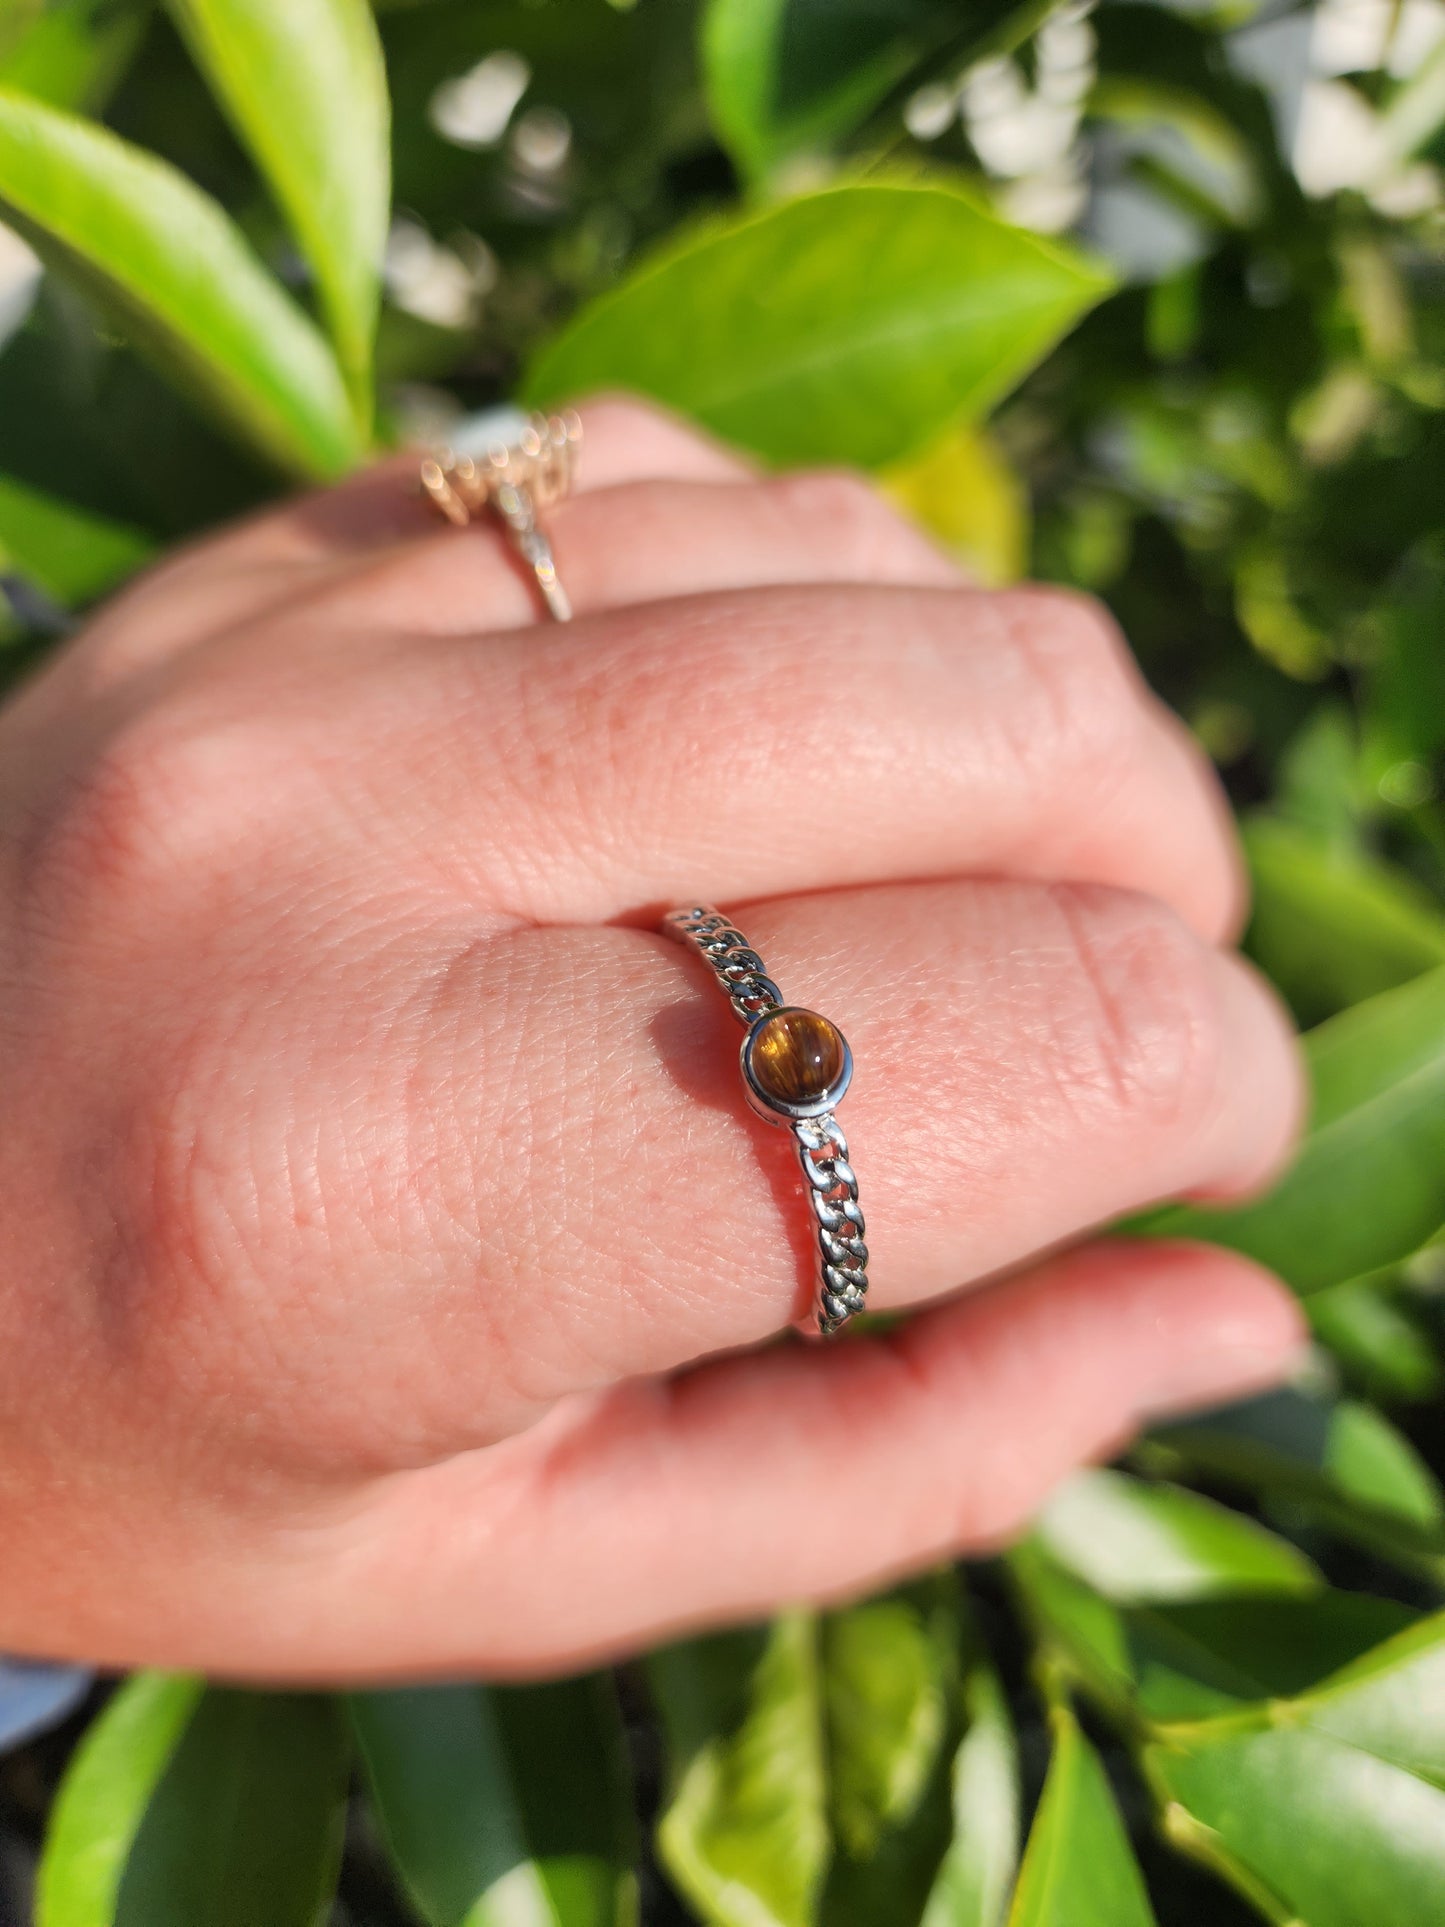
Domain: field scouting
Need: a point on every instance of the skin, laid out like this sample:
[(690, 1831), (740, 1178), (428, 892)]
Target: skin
[(390, 1258)]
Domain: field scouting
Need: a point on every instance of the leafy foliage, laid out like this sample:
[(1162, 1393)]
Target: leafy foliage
[(306, 86), (192, 1803), (799, 221), (1327, 1804), (503, 1804), (1079, 1868), (956, 305), (1368, 1188), (167, 262)]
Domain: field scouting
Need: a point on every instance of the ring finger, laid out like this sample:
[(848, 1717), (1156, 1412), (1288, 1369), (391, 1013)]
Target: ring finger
[(559, 1184), (283, 554)]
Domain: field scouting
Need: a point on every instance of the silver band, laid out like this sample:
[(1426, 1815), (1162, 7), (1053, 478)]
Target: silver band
[(816, 1068), (512, 465)]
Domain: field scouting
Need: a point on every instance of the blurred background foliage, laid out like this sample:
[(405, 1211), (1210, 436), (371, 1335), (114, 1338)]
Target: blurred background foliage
[(1146, 296)]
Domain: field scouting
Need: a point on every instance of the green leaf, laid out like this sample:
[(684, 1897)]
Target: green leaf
[(744, 1834), (71, 554), (810, 1763), (1381, 1346), (168, 264), (763, 329), (886, 1702), (1112, 1556), (1368, 1187), (102, 1801), (1415, 113), (977, 1872), (1328, 1807), (1160, 69), (1320, 786), (1406, 711), (792, 79), (85, 421), (1373, 1464), (16, 20), (75, 52), (786, 76), (1079, 1869), (893, 1717), (1330, 927), (1388, 1701), (1209, 175), (1187, 1659), (305, 84), (1201, 1656), (188, 1804), (504, 1805), (1081, 1632), (1342, 1466), (1132, 1540)]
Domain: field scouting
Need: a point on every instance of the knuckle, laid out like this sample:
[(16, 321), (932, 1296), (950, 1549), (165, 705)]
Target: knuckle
[(174, 1196), (215, 1286), (1086, 710), (990, 1499), (1141, 1038), (154, 814), (847, 512), (178, 1185)]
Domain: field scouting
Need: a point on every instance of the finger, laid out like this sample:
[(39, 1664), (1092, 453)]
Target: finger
[(795, 1474), (1029, 1063), (772, 741), (645, 541), (626, 439), (270, 559), (623, 441), (519, 1166)]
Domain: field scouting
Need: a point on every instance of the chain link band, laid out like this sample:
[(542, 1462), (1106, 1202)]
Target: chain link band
[(796, 1066)]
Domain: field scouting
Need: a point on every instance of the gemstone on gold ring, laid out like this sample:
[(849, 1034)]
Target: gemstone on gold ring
[(795, 1062)]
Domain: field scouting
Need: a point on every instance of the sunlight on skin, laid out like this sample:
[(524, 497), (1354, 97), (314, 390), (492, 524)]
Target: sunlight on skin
[(415, 1157)]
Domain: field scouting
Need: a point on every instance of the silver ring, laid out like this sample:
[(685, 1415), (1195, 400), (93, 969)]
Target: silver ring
[(511, 465), (796, 1066)]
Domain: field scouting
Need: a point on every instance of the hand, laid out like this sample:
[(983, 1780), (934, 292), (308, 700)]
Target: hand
[(371, 1166)]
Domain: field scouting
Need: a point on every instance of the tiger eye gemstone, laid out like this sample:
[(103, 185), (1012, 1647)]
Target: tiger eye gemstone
[(796, 1056)]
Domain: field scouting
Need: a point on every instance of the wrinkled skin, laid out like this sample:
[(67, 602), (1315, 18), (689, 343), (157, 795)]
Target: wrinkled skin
[(390, 1257)]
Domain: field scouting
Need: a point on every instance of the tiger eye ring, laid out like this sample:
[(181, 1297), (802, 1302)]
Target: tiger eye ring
[(796, 1066)]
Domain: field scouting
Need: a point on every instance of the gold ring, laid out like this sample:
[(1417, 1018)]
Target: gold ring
[(511, 465)]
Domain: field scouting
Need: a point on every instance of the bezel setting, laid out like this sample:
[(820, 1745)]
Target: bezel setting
[(779, 1109)]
